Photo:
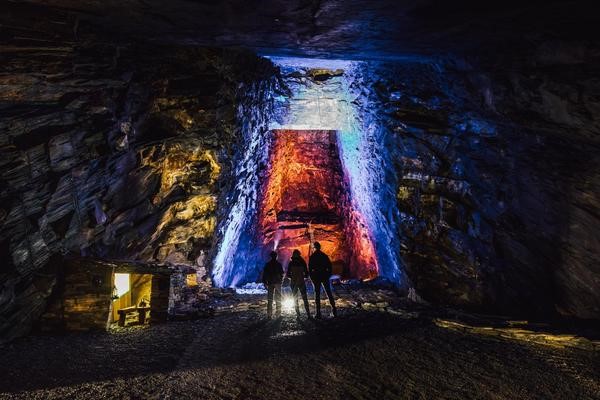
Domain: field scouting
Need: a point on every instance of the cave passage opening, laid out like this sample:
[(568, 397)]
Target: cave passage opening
[(130, 298), (315, 171), (305, 197)]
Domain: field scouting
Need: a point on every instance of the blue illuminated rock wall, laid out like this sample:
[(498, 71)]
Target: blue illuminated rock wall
[(308, 101), (236, 257), (439, 152)]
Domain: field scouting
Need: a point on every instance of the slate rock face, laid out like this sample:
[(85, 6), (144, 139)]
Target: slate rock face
[(497, 180), (492, 200), (112, 150), (117, 148)]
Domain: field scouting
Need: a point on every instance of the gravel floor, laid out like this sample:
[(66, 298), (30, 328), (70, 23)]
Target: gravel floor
[(359, 355)]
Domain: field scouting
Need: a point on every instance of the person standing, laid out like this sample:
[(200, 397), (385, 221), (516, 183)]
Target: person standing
[(297, 271), (319, 267), (272, 277)]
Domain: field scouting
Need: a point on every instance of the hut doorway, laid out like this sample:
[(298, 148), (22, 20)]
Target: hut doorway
[(131, 298)]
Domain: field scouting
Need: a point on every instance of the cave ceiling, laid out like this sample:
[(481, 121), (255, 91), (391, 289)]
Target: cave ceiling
[(348, 29)]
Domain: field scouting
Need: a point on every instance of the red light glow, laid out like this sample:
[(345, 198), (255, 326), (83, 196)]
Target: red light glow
[(305, 198)]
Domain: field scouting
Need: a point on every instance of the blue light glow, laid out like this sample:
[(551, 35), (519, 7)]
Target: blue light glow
[(237, 260)]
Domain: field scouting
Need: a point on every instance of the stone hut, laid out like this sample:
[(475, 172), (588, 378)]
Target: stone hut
[(93, 294)]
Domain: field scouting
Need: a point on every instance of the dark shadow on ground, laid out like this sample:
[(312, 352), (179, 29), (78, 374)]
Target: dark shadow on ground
[(39, 362), (235, 340)]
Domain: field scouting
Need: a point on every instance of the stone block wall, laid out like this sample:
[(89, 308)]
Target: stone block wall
[(159, 298), (81, 300)]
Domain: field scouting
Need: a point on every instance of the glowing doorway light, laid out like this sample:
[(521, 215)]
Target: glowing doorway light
[(121, 284)]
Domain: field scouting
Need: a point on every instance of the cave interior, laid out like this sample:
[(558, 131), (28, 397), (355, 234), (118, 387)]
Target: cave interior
[(450, 152), (445, 154)]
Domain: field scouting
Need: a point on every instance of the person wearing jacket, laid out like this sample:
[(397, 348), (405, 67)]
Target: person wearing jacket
[(319, 269), (272, 277), (297, 272)]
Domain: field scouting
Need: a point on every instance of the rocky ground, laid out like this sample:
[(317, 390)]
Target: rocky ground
[(380, 347)]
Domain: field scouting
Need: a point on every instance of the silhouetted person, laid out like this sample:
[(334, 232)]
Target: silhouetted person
[(319, 267), (272, 277), (297, 271)]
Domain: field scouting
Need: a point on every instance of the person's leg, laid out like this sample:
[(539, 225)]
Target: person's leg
[(327, 285), (278, 299), (302, 289), (295, 288), (270, 289), (317, 285)]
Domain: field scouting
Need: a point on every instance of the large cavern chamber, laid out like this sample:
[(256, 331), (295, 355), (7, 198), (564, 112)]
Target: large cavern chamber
[(472, 184)]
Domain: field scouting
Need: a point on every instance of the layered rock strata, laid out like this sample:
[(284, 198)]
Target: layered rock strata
[(120, 151)]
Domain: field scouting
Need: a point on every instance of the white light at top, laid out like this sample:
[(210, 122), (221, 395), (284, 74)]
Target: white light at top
[(310, 62), (121, 284), (314, 105)]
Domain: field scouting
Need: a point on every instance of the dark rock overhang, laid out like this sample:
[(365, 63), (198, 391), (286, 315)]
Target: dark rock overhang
[(349, 29)]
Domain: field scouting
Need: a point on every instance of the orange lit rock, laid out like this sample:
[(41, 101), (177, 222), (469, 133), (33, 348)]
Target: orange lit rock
[(306, 199)]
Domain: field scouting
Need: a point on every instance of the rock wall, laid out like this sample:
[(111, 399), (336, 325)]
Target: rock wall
[(477, 176), (497, 172), (550, 93), (111, 149), (236, 258)]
